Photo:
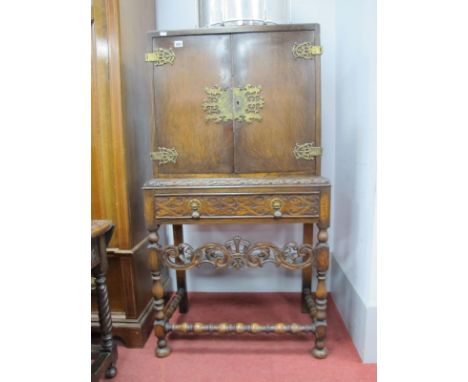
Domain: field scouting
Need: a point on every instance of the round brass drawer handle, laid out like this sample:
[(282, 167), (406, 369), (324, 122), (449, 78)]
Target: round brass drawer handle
[(195, 205), (276, 204)]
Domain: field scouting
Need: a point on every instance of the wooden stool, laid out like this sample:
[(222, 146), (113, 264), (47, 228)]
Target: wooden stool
[(105, 355)]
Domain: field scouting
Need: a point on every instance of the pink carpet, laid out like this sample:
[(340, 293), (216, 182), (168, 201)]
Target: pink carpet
[(234, 358)]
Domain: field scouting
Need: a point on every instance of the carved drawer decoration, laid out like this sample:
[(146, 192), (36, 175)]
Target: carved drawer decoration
[(200, 206)]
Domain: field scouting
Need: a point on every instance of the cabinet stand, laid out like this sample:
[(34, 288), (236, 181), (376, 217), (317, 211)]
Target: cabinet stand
[(238, 253)]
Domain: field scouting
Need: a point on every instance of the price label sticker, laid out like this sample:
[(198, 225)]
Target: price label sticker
[(178, 44)]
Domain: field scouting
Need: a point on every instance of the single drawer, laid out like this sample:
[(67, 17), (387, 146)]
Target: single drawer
[(200, 206)]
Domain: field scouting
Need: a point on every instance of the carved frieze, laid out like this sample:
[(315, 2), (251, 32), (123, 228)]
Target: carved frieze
[(238, 253), (237, 205)]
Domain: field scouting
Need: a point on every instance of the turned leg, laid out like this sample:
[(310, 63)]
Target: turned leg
[(104, 311), (105, 319), (180, 274), (322, 260), (306, 272), (155, 262)]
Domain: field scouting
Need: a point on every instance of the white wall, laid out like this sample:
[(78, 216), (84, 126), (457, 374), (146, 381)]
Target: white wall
[(354, 281), (176, 14), (183, 14)]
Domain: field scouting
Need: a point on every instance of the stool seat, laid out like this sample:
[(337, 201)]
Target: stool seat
[(99, 227)]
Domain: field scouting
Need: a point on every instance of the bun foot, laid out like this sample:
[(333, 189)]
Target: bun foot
[(162, 352), (111, 372), (320, 353)]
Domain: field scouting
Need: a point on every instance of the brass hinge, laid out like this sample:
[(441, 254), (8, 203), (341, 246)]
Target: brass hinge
[(307, 151), (165, 155), (161, 56), (306, 50)]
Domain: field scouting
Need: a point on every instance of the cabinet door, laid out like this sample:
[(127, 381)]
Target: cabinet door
[(290, 93), (179, 91)]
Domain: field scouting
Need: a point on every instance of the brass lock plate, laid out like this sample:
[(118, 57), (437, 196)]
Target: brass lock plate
[(218, 105), (227, 104), (247, 103)]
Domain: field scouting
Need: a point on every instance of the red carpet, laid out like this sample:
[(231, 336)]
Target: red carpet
[(246, 358)]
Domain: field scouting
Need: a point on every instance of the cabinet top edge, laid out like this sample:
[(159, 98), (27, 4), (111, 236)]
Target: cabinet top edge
[(233, 182), (236, 29)]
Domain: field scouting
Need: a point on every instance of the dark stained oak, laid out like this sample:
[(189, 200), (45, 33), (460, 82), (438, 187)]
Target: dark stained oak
[(288, 87), (203, 147), (105, 356), (238, 168), (308, 232), (180, 274)]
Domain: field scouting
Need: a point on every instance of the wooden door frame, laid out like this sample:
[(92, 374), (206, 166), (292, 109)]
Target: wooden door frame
[(117, 129)]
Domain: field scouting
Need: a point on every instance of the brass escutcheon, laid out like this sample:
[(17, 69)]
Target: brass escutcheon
[(276, 204), (195, 205), (233, 104)]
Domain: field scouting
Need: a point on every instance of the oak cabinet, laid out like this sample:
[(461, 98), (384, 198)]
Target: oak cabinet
[(237, 103), (236, 139)]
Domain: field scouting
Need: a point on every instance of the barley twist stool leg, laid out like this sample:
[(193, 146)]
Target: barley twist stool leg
[(105, 320)]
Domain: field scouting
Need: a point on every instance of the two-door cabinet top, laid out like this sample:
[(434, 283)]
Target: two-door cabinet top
[(236, 101)]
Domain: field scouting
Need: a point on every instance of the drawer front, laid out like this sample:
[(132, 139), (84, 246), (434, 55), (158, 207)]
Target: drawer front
[(245, 206)]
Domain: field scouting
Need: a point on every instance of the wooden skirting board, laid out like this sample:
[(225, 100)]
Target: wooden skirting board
[(132, 332)]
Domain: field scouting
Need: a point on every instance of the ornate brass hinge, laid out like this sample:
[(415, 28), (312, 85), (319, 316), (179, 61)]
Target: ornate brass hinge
[(240, 104), (306, 50), (165, 155), (161, 56), (306, 151)]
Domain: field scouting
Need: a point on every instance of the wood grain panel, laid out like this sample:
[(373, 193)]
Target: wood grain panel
[(108, 167), (179, 90), (136, 18), (102, 195), (289, 90), (121, 120)]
